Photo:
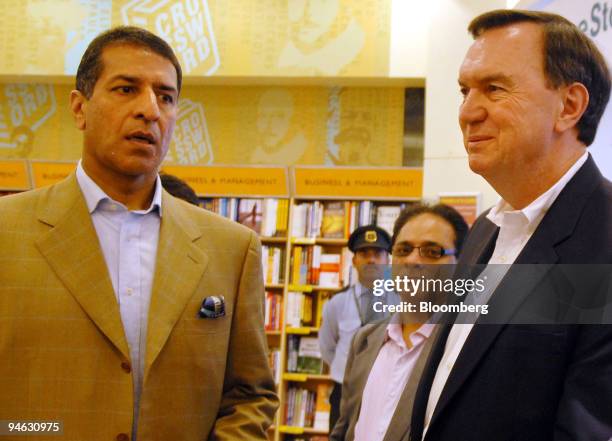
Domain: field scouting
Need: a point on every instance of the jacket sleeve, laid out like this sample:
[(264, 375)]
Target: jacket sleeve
[(328, 334), (584, 410), (249, 399)]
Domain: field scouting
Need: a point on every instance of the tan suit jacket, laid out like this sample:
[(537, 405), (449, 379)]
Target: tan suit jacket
[(63, 351), (364, 350)]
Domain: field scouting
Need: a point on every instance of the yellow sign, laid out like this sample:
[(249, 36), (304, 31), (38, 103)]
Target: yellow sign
[(233, 181), (14, 175), (48, 173), (359, 183)]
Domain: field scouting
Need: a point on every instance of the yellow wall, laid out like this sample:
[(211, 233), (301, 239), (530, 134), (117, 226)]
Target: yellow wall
[(228, 125), (211, 37)]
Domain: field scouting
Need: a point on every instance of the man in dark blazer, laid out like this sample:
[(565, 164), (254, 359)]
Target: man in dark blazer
[(534, 90)]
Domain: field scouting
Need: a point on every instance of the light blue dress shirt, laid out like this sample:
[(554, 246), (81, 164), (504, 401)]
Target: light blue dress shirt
[(128, 240)]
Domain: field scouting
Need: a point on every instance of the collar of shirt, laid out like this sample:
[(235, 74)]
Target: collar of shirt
[(503, 214), (97, 199), (394, 333), (360, 290)]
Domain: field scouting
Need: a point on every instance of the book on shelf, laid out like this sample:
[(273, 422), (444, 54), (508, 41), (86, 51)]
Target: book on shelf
[(333, 224), (274, 361), (300, 407), (311, 266), (309, 356), (322, 406), (386, 216), (268, 217), (250, 213), (304, 355), (337, 219), (273, 264), (273, 311), (299, 309), (329, 271), (323, 298)]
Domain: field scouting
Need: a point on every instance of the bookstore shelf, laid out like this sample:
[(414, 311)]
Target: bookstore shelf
[(289, 376), (305, 330), (273, 239), (318, 241), (293, 430)]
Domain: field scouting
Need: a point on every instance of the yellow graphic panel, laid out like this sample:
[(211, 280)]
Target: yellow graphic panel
[(304, 37), (290, 125), (365, 126), (227, 125), (210, 37), (186, 25), (35, 123)]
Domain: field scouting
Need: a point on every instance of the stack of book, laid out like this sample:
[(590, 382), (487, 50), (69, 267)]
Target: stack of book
[(299, 309), (274, 361), (311, 266), (307, 408), (268, 217), (337, 219), (304, 355), (273, 264), (226, 207), (300, 407), (273, 311)]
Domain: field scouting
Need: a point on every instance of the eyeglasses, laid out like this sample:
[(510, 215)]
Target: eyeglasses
[(427, 251)]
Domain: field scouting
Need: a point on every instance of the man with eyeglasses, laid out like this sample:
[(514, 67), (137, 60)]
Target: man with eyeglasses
[(352, 308), (386, 358)]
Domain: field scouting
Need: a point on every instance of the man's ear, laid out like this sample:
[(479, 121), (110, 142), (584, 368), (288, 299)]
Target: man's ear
[(575, 99), (78, 104)]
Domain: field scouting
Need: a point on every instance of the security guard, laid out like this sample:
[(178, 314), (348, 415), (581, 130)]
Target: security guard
[(352, 307)]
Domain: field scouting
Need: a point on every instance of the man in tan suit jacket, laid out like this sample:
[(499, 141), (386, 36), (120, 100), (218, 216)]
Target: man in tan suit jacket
[(385, 364), (64, 351)]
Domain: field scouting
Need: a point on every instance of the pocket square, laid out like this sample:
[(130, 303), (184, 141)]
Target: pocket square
[(212, 307)]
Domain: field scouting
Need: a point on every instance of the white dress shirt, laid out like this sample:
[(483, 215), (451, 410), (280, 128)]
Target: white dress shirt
[(387, 380), (515, 229), (128, 240)]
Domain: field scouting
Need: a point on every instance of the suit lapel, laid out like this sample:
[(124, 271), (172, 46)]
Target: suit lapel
[(180, 265), (519, 282), (366, 357), (71, 247)]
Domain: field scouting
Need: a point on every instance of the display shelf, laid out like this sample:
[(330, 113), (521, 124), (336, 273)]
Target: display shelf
[(306, 330), (295, 376)]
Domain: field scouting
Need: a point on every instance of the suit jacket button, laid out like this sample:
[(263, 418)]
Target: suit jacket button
[(127, 368), (123, 437)]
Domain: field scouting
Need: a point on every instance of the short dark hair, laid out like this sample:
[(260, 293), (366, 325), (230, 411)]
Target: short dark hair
[(91, 66), (569, 56), (446, 212), (179, 188)]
